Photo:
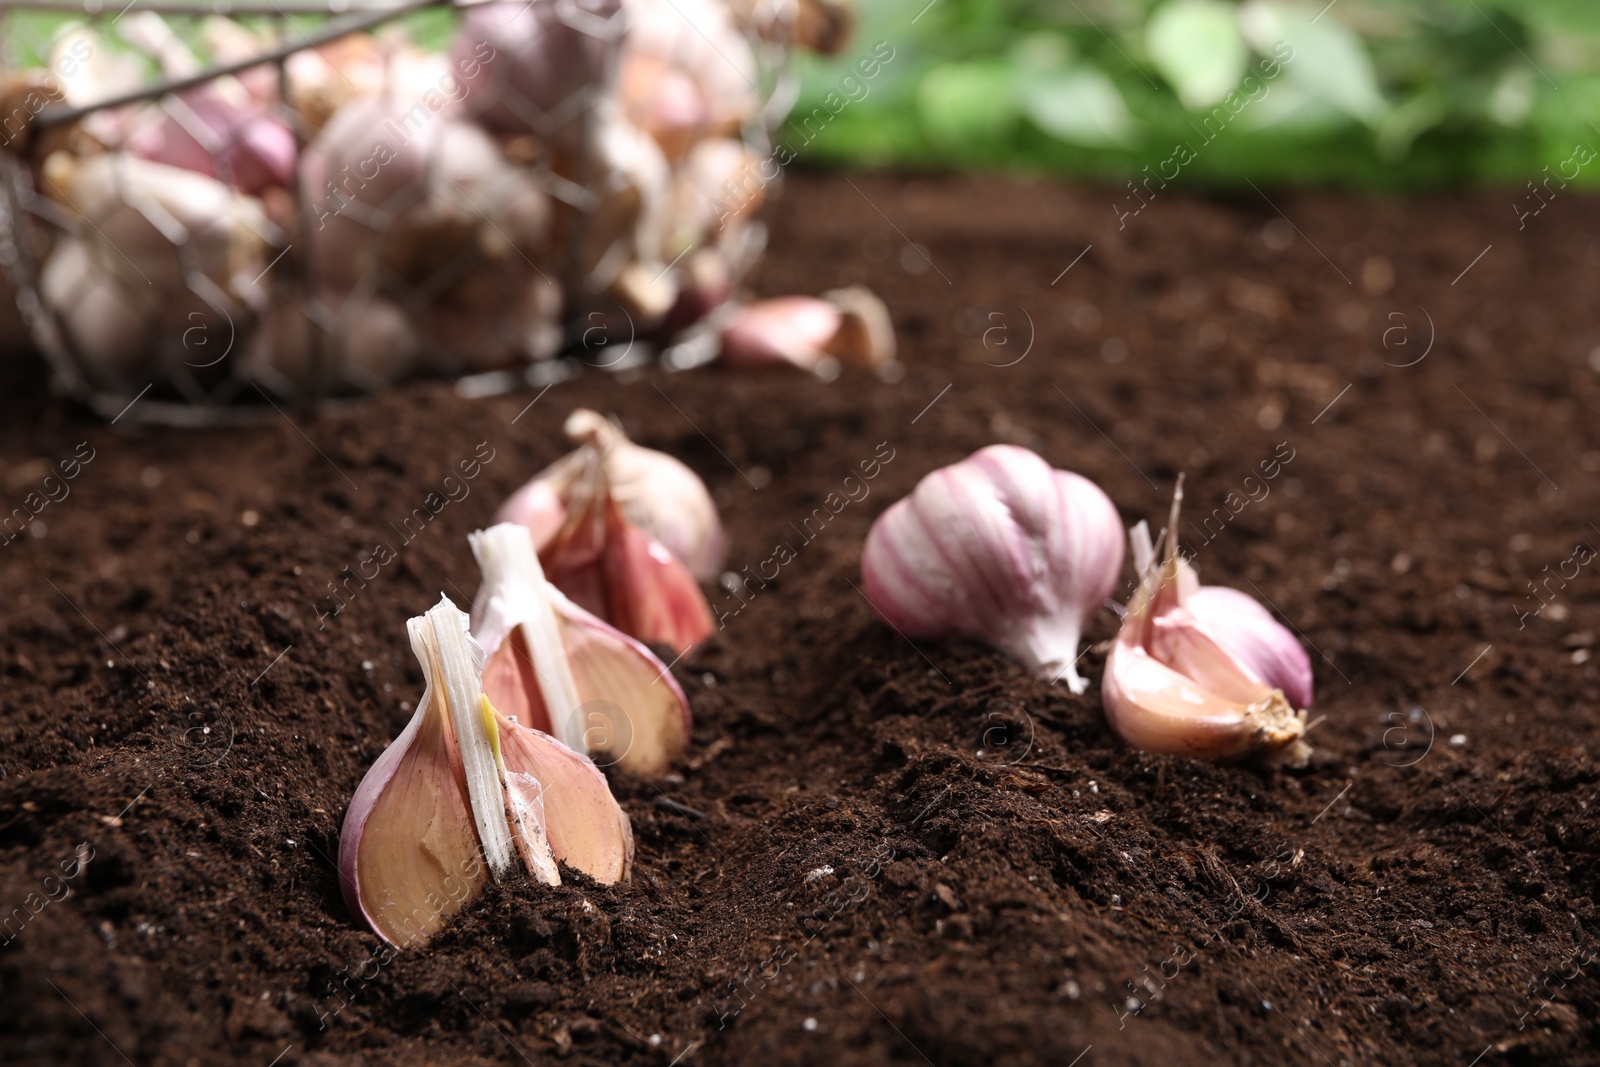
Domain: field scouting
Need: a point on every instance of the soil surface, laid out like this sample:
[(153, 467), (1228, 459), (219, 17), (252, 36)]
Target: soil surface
[(875, 851)]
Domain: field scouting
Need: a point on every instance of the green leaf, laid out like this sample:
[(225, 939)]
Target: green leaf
[(1080, 106), (961, 103), (1559, 18), (1320, 55), (1197, 46)]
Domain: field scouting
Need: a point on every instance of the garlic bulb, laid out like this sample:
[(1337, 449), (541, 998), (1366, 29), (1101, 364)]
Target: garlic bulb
[(432, 205), (1001, 548), (214, 134), (378, 344), (687, 72), (655, 491), (163, 263), (621, 239), (851, 325), (219, 129), (719, 186), (156, 227), (459, 792), (1210, 681), (106, 323), (533, 68), (229, 42), (88, 72), (323, 80), (555, 667)]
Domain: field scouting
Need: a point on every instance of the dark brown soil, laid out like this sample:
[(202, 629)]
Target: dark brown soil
[(895, 854)]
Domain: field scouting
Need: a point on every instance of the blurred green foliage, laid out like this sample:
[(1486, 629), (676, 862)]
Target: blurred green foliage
[(1382, 94)]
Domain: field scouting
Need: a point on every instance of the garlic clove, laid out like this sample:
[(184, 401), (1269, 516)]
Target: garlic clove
[(1202, 681), (851, 325), (1000, 548), (1259, 641), (784, 331), (575, 818), (510, 681), (865, 337), (528, 671), (1154, 708), (537, 506), (554, 666), (1183, 643), (655, 491), (409, 852), (643, 589), (633, 706)]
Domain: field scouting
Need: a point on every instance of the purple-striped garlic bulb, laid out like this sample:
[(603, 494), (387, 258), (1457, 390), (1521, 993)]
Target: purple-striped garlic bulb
[(1002, 548)]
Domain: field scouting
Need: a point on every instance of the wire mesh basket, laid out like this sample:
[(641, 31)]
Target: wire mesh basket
[(209, 209)]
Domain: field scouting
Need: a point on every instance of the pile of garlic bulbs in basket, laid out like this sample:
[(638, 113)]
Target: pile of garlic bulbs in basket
[(343, 216)]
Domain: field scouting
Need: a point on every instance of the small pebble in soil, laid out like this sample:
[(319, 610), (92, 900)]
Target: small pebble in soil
[(1458, 740), (809, 1026), (250, 517)]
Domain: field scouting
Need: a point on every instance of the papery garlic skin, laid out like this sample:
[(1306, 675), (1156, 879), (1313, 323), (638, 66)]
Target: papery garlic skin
[(1001, 548), (655, 491), (556, 667), (1205, 682)]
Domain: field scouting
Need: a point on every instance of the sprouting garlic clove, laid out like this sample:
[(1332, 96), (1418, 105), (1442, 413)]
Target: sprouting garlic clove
[(465, 788), (1001, 548), (427, 826), (655, 491), (555, 667), (1204, 682)]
